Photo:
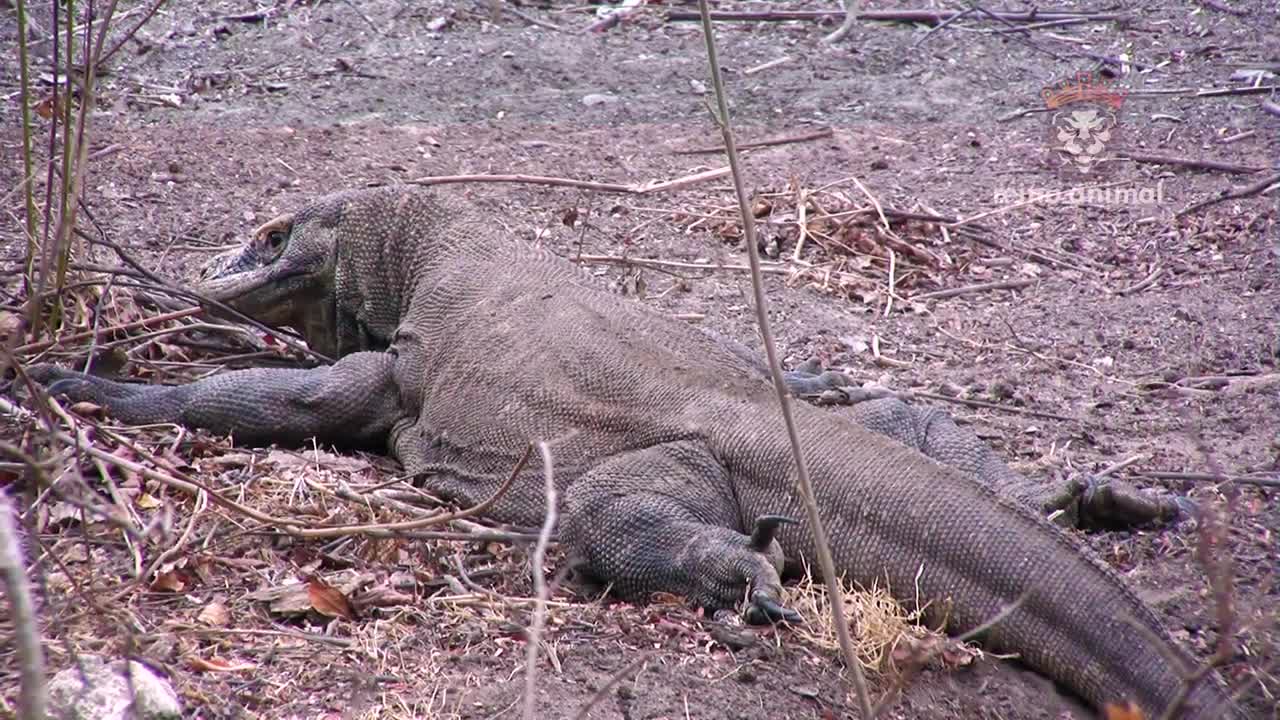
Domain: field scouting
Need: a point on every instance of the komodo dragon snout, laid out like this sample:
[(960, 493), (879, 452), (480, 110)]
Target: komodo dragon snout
[(279, 275)]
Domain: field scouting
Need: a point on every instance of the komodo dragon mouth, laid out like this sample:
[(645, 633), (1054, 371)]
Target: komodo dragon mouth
[(276, 277)]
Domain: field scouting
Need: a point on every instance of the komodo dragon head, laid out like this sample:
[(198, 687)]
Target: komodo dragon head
[(284, 275)]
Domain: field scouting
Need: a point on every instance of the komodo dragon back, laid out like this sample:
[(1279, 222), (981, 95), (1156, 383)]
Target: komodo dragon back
[(457, 347)]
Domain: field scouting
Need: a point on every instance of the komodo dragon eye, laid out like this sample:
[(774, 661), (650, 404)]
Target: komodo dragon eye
[(276, 239)]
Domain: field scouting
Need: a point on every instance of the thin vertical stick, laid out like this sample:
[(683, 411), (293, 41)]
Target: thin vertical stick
[(28, 192), (63, 234), (539, 588), (31, 694), (825, 560), (35, 316)]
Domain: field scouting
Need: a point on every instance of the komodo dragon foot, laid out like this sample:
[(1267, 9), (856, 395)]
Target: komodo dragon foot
[(666, 501), (1084, 503)]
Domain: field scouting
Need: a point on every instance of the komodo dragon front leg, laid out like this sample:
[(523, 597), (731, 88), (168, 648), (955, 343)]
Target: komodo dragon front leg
[(353, 402), (1084, 503), (662, 518)]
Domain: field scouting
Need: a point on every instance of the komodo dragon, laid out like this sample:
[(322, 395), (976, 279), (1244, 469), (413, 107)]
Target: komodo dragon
[(458, 347)]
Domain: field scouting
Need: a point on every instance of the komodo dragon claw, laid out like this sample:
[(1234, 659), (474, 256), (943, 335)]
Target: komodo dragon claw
[(766, 529), (765, 610)]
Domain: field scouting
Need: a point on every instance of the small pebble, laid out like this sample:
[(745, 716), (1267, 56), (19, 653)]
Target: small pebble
[(598, 99)]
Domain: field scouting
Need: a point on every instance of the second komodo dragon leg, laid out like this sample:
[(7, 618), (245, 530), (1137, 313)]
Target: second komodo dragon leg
[(935, 434), (1081, 503)]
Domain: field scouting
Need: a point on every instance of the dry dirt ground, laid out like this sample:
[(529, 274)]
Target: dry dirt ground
[(1136, 332)]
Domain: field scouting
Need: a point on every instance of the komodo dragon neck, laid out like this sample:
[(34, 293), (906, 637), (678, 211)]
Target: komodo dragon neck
[(344, 293)]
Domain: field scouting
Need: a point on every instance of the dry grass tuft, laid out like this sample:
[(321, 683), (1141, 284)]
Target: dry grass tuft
[(885, 633)]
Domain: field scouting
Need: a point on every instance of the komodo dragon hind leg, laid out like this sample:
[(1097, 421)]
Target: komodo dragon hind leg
[(1089, 503), (1083, 503), (659, 520), (353, 402)]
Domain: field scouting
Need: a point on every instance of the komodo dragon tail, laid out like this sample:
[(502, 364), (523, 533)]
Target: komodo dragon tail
[(941, 537)]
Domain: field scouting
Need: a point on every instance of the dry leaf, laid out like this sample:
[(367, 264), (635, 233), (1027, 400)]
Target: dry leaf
[(46, 108), (1127, 711), (11, 324), (147, 501), (328, 600), (77, 553), (383, 597), (203, 568), (215, 614), (86, 408), (215, 664), (63, 512), (172, 581)]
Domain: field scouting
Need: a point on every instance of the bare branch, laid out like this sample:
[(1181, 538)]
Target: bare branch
[(630, 189), (31, 696), (825, 560), (539, 587)]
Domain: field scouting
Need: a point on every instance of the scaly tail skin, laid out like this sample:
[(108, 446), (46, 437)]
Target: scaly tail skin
[(942, 537)]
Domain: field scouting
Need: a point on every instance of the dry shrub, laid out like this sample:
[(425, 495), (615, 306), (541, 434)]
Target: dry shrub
[(886, 635)]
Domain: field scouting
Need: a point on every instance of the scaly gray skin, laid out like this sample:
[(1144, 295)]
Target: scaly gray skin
[(458, 347)]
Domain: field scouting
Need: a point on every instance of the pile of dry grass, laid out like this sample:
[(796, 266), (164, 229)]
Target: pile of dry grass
[(886, 636)]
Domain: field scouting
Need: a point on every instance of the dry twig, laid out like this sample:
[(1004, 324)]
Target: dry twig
[(26, 629), (995, 406), (971, 289), (1142, 284), (424, 522), (1195, 163), (908, 16), (846, 25), (805, 487), (614, 679), (1261, 187), (633, 189), (90, 334), (802, 137), (1259, 480), (539, 586), (178, 480), (1214, 556)]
